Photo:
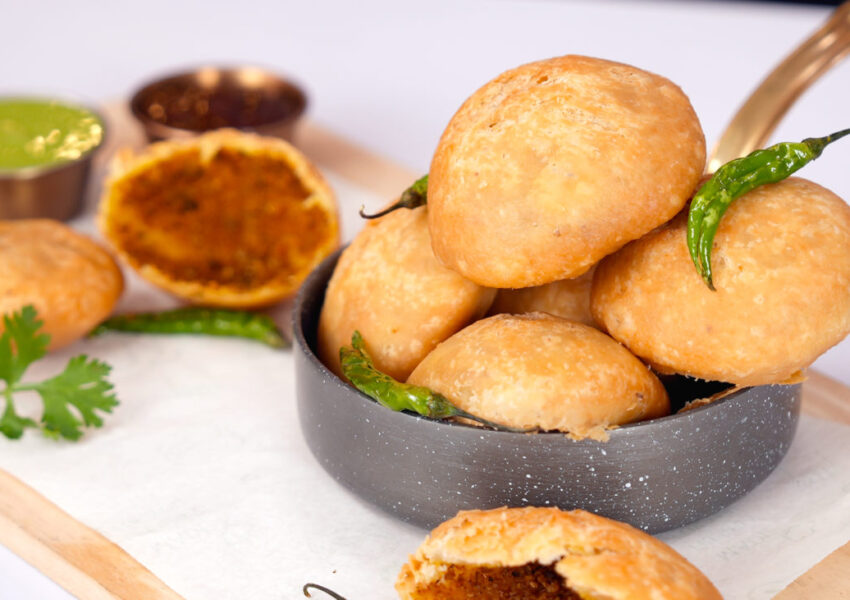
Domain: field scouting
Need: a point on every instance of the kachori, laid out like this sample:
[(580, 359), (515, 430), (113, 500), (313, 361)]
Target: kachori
[(389, 286), (71, 280), (540, 371), (568, 299), (555, 164), (782, 272), (223, 219), (547, 554)]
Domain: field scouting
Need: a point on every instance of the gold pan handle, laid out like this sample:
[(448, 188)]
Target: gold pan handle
[(750, 129)]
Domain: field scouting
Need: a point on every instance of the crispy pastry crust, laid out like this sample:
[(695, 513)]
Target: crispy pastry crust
[(537, 370), (555, 164), (600, 559), (568, 299), (389, 286), (127, 164), (781, 263), (71, 281)]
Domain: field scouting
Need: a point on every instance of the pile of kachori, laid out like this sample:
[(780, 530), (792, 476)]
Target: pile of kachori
[(561, 188)]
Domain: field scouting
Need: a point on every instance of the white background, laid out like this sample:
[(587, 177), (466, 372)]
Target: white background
[(388, 74)]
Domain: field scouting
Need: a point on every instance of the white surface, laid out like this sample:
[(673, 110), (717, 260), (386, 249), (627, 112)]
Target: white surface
[(19, 581), (389, 74)]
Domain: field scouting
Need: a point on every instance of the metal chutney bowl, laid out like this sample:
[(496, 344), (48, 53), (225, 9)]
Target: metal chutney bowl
[(656, 475), (50, 191), (249, 98)]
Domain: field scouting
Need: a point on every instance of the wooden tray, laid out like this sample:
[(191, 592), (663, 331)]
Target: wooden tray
[(90, 566)]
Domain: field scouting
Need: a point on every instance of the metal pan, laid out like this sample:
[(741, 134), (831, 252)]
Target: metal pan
[(656, 475)]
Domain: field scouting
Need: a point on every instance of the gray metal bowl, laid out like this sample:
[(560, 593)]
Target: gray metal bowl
[(656, 475)]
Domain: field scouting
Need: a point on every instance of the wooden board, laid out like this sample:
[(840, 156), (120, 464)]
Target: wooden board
[(826, 398), (91, 567), (76, 557)]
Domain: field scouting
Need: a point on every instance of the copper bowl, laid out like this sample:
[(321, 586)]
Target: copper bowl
[(247, 98)]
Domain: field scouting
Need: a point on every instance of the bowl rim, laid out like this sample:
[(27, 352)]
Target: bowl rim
[(167, 131), (35, 171), (328, 375)]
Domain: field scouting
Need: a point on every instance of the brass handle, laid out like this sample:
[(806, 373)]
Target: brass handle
[(751, 127)]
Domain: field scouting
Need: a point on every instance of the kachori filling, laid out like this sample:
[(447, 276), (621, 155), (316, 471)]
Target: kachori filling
[(221, 220), (526, 582)]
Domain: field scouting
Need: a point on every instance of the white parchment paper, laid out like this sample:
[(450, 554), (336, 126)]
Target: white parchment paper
[(203, 476)]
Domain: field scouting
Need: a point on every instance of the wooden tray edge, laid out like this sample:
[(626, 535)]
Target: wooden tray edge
[(76, 557)]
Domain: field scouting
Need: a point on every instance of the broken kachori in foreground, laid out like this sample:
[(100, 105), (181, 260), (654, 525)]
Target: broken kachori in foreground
[(547, 554), (782, 273), (538, 371)]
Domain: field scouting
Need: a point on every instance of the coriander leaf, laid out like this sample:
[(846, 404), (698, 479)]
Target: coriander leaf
[(20, 344), (82, 385), (79, 391), (12, 425)]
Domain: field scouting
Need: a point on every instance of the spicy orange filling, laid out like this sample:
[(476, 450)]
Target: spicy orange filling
[(237, 219), (532, 581)]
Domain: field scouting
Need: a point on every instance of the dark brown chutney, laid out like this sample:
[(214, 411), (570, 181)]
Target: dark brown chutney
[(184, 105)]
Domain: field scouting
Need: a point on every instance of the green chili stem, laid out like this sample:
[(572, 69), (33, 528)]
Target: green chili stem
[(204, 321), (457, 412), (359, 369), (308, 586), (818, 144), (413, 197)]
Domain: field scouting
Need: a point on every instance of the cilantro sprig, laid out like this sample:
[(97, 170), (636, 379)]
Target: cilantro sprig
[(71, 399)]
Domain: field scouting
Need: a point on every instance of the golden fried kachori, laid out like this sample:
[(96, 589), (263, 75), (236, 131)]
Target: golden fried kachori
[(555, 164), (568, 299), (547, 554), (71, 281), (541, 371), (781, 263), (223, 219), (389, 286)]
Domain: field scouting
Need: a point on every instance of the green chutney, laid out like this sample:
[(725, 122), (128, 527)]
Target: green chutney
[(36, 132)]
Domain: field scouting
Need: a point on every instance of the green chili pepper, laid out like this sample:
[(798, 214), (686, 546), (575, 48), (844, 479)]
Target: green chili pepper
[(358, 367), (413, 197), (205, 321), (736, 178)]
